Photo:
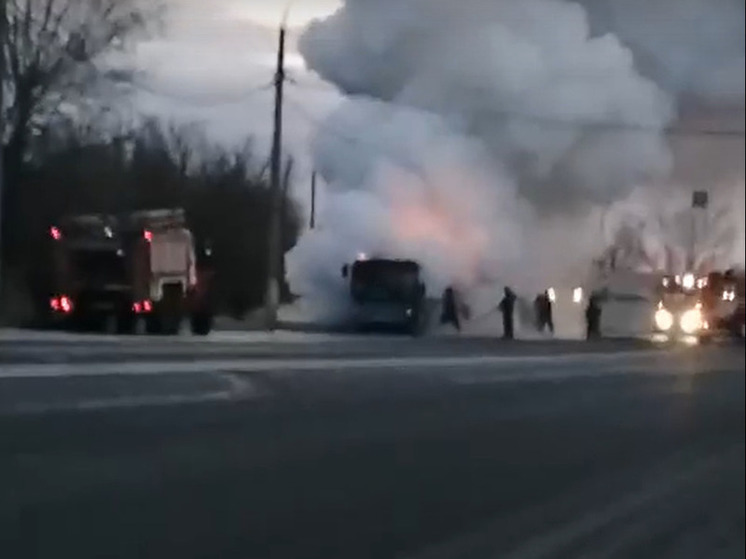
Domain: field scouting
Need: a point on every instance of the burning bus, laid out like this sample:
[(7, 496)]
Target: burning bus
[(386, 293)]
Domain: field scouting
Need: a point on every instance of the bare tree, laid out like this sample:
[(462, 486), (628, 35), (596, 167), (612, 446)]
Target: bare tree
[(53, 51)]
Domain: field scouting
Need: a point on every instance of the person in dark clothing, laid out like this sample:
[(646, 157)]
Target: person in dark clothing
[(449, 314), (507, 305), (543, 309), (593, 317), (538, 313)]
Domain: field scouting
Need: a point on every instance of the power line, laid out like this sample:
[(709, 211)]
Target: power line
[(202, 102)]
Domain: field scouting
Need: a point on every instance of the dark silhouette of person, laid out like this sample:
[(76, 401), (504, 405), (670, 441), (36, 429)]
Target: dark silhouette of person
[(507, 306), (449, 314), (543, 309), (593, 317)]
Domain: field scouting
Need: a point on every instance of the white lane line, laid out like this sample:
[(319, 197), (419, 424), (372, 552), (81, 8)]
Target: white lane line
[(217, 337), (34, 408), (239, 388), (55, 370)]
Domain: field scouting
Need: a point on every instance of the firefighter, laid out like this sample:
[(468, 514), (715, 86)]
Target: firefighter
[(506, 307), (450, 314), (593, 317), (543, 309)]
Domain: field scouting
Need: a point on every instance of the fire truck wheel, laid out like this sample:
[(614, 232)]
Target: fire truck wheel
[(153, 324), (201, 324), (126, 323), (171, 309)]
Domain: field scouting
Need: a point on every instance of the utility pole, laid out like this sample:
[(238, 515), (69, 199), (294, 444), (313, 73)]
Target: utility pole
[(287, 174), (274, 248), (312, 224), (3, 38)]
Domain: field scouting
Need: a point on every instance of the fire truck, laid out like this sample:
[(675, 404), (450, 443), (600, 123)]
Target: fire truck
[(703, 307), (386, 293), (142, 268), (723, 296)]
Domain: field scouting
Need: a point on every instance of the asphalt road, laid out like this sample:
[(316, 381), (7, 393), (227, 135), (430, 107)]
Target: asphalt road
[(356, 448)]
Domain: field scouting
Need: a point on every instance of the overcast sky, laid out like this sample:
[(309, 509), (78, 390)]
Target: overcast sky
[(215, 60), (213, 64)]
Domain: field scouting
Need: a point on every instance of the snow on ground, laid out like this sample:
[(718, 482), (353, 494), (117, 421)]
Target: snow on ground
[(222, 337)]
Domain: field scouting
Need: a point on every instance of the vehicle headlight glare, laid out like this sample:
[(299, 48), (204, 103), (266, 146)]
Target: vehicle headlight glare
[(577, 295), (663, 320), (691, 321)]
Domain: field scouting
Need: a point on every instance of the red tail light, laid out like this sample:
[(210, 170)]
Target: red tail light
[(61, 304), (66, 304), (140, 307), (147, 235), (55, 233)]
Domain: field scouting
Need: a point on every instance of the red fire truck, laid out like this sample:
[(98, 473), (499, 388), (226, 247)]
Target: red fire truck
[(140, 268)]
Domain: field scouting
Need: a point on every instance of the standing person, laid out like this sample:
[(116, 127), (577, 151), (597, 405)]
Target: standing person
[(507, 306), (593, 317), (539, 321), (548, 311), (449, 313), (543, 309)]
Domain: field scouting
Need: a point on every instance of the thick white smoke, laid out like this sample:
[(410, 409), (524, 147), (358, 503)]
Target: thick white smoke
[(480, 138)]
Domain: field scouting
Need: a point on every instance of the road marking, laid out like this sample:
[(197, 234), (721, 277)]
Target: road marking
[(240, 387), (35, 408), (55, 370), (217, 337)]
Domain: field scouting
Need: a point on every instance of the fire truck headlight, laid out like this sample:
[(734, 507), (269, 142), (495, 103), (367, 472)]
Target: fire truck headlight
[(688, 281), (691, 321), (663, 320), (729, 295), (577, 295)]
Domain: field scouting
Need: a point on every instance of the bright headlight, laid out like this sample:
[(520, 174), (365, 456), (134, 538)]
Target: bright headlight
[(688, 281), (729, 295), (552, 294), (691, 321), (663, 320)]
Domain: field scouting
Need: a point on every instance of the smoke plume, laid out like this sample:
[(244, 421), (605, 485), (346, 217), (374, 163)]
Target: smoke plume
[(484, 139)]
